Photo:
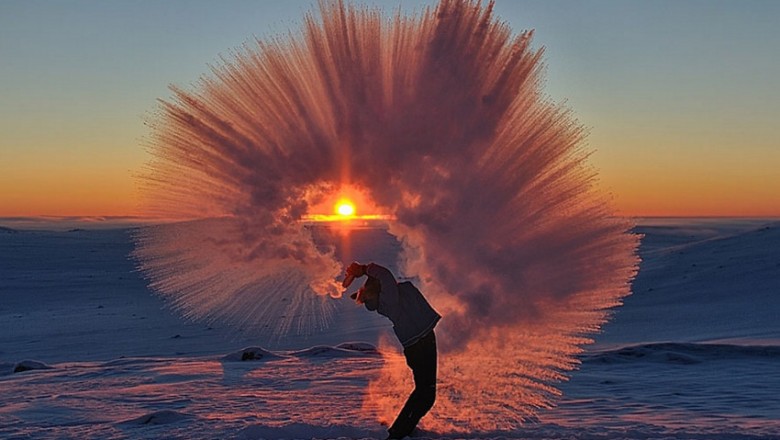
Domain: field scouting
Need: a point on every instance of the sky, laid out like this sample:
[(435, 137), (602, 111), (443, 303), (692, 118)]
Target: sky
[(681, 98)]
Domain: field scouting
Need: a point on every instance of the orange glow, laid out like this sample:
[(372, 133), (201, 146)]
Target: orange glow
[(680, 195), (341, 206), (642, 185), (688, 190), (345, 208), (52, 191)]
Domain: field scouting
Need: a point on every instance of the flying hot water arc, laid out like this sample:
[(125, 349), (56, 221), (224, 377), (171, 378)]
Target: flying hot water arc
[(439, 122)]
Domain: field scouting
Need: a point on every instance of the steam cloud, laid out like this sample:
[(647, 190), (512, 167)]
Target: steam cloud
[(441, 119)]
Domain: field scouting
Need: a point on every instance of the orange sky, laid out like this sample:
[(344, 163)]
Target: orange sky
[(110, 191), (661, 177), (649, 172), (76, 179)]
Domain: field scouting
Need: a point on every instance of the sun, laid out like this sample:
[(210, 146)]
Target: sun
[(345, 208)]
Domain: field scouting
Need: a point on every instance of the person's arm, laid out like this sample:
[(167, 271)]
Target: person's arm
[(389, 286)]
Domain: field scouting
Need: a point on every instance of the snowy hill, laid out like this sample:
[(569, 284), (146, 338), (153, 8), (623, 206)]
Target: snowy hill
[(712, 281)]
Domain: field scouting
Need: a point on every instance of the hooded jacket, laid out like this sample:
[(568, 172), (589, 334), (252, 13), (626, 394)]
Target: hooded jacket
[(403, 304)]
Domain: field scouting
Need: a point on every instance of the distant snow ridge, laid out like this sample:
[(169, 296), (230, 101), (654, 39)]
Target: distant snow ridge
[(683, 353), (251, 354), (347, 349), (342, 350), (441, 120), (363, 347), (27, 365)]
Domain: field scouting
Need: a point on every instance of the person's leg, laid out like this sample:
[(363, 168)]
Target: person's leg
[(421, 358)]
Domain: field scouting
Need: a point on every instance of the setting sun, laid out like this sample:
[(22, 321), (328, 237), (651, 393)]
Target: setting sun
[(340, 207), (345, 208)]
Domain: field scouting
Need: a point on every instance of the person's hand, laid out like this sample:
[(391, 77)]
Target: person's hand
[(359, 296), (354, 270)]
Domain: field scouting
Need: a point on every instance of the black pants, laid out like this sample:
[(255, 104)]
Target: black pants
[(421, 358)]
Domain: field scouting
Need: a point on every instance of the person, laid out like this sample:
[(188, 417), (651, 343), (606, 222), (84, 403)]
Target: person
[(413, 323)]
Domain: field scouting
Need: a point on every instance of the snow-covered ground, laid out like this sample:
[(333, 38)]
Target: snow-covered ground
[(87, 351)]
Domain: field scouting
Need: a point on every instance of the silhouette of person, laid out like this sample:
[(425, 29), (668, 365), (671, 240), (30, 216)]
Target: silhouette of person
[(413, 322)]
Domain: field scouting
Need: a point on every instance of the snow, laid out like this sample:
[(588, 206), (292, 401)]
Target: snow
[(692, 354), (27, 365), (704, 281), (250, 354), (157, 418), (342, 350)]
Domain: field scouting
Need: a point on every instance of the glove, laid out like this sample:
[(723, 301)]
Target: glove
[(354, 270)]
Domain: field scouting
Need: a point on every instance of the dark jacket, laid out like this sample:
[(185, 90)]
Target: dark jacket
[(406, 307)]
